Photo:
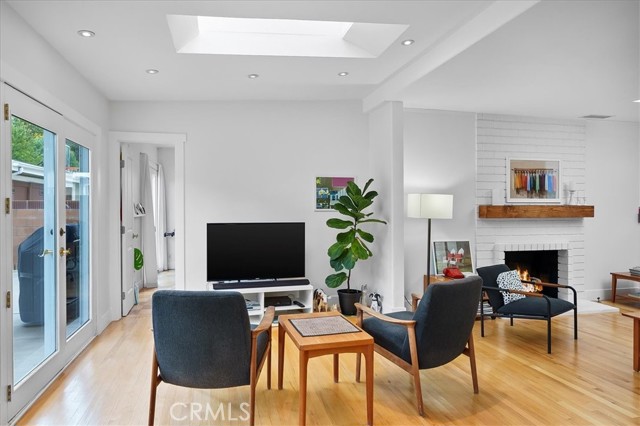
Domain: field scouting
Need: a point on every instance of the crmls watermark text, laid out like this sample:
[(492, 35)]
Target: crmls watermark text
[(193, 411)]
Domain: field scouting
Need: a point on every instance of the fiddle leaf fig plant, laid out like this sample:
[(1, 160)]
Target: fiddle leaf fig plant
[(350, 246)]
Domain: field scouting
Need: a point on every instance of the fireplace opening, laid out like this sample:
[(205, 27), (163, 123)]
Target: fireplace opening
[(540, 264)]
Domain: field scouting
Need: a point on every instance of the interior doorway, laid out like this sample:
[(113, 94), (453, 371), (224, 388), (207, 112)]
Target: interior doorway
[(143, 229)]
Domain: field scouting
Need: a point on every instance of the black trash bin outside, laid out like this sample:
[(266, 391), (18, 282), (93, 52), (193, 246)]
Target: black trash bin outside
[(31, 276)]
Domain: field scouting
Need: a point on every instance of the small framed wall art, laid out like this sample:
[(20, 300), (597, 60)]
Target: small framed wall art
[(533, 181), (329, 190), (452, 254)]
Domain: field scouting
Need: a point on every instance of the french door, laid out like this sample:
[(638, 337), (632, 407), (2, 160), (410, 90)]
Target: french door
[(46, 256)]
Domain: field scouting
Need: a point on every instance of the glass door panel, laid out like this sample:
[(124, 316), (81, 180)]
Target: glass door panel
[(34, 292), (77, 202)]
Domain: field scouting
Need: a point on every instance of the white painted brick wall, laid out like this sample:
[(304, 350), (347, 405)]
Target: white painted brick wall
[(502, 136)]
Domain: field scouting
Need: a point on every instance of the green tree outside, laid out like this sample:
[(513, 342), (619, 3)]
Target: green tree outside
[(27, 142)]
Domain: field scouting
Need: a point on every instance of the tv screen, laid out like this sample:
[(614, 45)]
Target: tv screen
[(250, 251)]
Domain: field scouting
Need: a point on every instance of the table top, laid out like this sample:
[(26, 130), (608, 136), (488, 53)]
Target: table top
[(322, 342), (626, 275), (631, 314)]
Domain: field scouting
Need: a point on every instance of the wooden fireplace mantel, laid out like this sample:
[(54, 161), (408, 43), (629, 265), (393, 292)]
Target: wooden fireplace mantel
[(534, 211)]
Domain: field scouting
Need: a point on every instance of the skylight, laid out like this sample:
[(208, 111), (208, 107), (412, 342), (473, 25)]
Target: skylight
[(280, 37)]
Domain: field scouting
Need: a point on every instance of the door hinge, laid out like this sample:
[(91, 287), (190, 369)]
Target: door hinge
[(121, 163), (122, 296), (6, 112), (7, 205), (122, 230), (8, 300), (9, 390)]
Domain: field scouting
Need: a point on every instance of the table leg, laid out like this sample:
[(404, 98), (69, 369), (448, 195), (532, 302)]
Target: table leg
[(368, 355), (336, 368), (614, 284), (302, 409), (636, 344), (280, 355)]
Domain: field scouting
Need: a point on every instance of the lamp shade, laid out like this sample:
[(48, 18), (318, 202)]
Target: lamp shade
[(430, 206)]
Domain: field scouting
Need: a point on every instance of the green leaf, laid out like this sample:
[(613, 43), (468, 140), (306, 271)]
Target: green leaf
[(371, 195), (336, 264), (373, 220), (350, 259), (339, 223), (345, 211), (365, 235), (353, 190), (363, 203), (336, 250), (335, 280), (366, 185), (346, 238), (359, 250), (346, 201)]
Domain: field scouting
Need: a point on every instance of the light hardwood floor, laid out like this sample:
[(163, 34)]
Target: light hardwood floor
[(588, 381)]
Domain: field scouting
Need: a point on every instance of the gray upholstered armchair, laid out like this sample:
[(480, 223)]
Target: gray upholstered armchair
[(203, 339), (532, 306), (436, 333)]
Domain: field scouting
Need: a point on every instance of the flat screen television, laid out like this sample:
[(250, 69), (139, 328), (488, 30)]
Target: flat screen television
[(255, 251)]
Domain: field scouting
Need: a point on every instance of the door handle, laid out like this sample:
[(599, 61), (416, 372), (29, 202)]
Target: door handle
[(64, 252), (134, 236), (45, 252)]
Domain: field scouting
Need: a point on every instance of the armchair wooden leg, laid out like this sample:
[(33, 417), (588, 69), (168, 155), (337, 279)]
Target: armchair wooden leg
[(549, 335), (472, 360), (154, 387), (269, 363), (415, 368)]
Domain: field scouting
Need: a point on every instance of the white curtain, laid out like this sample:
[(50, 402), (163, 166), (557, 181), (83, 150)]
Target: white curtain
[(160, 209), (148, 227)]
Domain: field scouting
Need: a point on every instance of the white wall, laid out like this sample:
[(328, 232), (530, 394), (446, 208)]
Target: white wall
[(613, 186), (61, 87), (439, 157), (256, 161)]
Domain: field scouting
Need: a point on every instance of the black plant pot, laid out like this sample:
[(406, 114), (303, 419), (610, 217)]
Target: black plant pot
[(348, 298)]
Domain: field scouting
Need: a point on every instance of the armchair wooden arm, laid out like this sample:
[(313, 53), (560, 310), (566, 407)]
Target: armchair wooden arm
[(361, 308), (266, 323), (415, 299), (544, 284), (526, 293)]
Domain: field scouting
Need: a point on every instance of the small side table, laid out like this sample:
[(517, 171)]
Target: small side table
[(615, 276), (636, 338), (434, 279)]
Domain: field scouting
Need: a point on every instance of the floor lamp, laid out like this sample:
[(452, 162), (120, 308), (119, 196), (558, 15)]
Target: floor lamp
[(430, 206)]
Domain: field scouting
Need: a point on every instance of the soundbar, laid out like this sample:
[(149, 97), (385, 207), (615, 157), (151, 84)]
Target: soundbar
[(235, 285)]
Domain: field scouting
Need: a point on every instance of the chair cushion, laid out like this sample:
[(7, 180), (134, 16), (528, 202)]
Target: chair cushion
[(536, 306), (511, 281), (392, 337), (489, 275)]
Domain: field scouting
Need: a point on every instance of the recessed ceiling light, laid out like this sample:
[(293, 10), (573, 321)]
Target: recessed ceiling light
[(252, 76), (86, 33), (343, 74), (408, 42), (637, 100), (597, 116), (152, 71)]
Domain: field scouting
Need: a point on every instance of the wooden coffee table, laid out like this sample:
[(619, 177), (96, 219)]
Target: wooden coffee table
[(615, 276), (636, 338), (313, 346)]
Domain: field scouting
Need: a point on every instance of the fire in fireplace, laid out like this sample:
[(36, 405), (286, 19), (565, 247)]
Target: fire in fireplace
[(541, 265)]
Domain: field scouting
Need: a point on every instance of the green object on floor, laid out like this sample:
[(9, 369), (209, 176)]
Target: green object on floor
[(138, 259)]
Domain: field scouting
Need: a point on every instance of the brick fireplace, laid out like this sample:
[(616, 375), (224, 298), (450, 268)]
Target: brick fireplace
[(500, 137)]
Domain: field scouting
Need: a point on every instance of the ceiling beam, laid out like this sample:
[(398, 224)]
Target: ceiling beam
[(490, 19)]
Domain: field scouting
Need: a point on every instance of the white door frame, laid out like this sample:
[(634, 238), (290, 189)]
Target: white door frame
[(175, 140)]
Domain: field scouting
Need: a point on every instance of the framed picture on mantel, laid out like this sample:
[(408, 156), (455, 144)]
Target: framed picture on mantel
[(533, 181)]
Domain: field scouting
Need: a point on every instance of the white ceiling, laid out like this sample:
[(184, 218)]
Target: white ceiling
[(556, 59)]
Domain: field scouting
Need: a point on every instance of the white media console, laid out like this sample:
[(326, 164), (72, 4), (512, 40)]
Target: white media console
[(298, 293)]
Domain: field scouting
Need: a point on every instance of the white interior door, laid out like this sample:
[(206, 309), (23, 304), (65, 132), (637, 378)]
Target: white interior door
[(128, 236)]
